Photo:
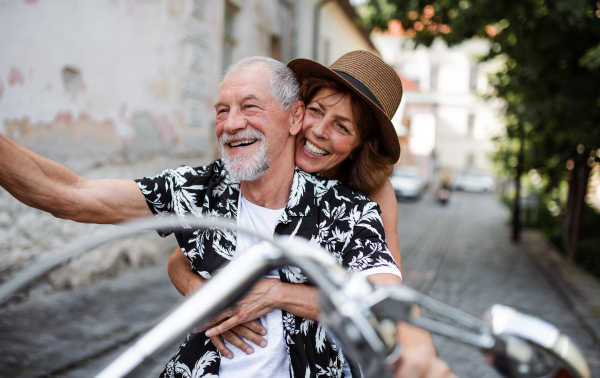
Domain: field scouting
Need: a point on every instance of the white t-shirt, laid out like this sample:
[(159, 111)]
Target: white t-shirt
[(271, 361)]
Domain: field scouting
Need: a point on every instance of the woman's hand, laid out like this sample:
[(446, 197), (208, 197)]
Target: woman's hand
[(185, 280), (238, 322), (254, 305), (251, 331)]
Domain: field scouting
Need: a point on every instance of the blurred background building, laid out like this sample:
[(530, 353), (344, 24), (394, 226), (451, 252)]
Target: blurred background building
[(443, 122)]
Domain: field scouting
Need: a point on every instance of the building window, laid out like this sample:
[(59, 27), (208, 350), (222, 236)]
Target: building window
[(229, 40), (326, 50), (470, 160), (434, 77), (471, 126), (473, 73), (276, 47)]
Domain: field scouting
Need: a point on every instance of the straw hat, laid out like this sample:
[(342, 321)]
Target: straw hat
[(372, 80)]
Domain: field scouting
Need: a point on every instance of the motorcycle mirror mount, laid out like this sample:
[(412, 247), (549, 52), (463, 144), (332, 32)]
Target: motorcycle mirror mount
[(516, 344), (529, 347)]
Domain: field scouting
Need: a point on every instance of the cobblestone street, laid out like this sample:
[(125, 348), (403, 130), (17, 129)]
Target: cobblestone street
[(459, 254)]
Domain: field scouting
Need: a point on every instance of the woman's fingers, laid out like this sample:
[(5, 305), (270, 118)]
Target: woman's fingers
[(255, 327), (240, 336), (220, 345), (250, 335), (236, 341), (221, 328)]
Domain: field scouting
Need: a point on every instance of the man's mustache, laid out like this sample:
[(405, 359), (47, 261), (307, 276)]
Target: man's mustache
[(240, 135)]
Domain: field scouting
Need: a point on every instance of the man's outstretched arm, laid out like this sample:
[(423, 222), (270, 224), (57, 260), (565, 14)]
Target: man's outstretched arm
[(49, 186)]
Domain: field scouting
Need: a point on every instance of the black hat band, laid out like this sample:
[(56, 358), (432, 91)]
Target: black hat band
[(360, 86)]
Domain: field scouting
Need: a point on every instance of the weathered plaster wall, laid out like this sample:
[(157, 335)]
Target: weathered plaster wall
[(112, 89), (130, 75)]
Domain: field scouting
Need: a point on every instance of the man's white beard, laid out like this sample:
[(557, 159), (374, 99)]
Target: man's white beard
[(248, 166)]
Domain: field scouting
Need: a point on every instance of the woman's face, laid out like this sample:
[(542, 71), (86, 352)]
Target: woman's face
[(329, 133)]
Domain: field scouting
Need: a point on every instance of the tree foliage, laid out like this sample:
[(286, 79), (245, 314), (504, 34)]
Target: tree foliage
[(550, 83)]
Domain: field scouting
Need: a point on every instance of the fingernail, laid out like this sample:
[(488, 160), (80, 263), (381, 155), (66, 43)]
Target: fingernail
[(263, 332), (230, 356), (249, 351), (263, 343), (208, 333)]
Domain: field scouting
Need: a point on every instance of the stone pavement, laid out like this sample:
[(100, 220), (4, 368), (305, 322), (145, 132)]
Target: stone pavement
[(76, 333), (459, 253)]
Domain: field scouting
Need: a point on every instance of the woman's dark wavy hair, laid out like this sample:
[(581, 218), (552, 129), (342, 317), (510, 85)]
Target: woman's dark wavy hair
[(367, 168)]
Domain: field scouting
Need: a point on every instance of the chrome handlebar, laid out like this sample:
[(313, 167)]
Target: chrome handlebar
[(362, 316)]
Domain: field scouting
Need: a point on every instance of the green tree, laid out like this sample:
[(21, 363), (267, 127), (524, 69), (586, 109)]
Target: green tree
[(550, 83)]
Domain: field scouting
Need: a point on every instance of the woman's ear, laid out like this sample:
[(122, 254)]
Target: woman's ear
[(297, 115)]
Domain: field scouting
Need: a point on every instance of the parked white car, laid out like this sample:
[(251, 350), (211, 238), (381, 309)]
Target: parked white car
[(408, 182), (475, 182)]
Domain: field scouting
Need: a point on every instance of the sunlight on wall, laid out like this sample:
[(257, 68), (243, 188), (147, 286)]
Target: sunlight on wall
[(422, 132)]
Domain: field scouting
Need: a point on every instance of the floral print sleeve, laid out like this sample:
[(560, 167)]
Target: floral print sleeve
[(367, 251), (176, 192), (200, 192)]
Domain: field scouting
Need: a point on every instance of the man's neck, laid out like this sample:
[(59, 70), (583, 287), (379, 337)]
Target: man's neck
[(272, 190)]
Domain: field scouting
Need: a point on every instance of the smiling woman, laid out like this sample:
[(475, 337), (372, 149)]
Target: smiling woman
[(329, 133), (348, 120), (335, 141)]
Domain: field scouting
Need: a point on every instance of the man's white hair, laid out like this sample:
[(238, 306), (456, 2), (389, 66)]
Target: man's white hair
[(284, 83)]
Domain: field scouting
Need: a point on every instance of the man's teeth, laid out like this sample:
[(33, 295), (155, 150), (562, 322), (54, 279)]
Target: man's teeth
[(314, 150), (242, 142)]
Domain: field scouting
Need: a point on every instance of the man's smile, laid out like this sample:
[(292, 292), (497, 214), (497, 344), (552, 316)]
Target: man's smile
[(245, 142)]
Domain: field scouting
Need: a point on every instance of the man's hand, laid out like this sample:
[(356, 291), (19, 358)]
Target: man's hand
[(418, 358), (254, 305), (418, 362)]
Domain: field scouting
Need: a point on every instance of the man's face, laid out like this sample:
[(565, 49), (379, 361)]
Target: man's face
[(251, 126)]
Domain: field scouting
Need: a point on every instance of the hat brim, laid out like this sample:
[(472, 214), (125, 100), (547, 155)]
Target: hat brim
[(306, 68)]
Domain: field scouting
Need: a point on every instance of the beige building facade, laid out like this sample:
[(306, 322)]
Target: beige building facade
[(443, 118)]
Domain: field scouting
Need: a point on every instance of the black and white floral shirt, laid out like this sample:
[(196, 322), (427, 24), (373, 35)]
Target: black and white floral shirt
[(343, 222)]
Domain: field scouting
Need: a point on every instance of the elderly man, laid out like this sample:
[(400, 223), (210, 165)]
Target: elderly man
[(258, 185)]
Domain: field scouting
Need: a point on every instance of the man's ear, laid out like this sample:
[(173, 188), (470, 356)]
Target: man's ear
[(297, 115)]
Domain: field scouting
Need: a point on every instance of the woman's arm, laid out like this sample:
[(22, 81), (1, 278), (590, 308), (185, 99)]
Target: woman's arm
[(181, 274), (268, 294), (186, 281), (386, 199), (301, 300)]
